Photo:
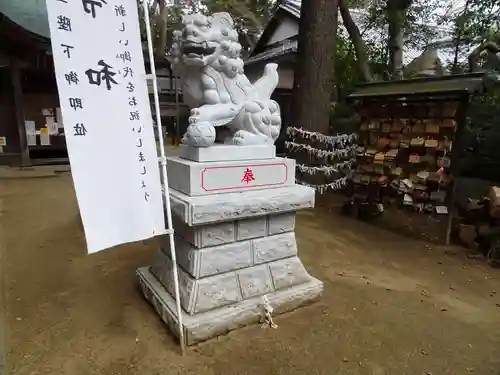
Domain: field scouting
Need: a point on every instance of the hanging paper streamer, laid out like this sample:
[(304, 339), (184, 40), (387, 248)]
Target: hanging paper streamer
[(339, 141), (332, 155), (338, 184), (327, 170), (340, 148)]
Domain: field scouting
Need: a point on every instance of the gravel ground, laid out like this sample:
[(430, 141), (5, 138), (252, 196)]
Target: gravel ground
[(391, 305)]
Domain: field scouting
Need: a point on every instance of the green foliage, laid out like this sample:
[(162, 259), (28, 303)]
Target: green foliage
[(250, 17), (250, 14), (345, 64), (476, 21), (173, 21), (481, 20), (418, 27), (481, 158), (343, 119)]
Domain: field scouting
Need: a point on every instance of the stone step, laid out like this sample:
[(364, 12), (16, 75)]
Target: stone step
[(223, 152), (201, 295), (200, 210), (203, 326)]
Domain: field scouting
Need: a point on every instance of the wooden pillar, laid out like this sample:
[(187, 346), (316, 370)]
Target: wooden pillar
[(457, 146), (17, 91)]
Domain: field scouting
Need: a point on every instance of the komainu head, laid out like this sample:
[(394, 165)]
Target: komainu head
[(208, 41)]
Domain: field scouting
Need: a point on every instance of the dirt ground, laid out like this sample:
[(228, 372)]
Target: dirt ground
[(391, 305)]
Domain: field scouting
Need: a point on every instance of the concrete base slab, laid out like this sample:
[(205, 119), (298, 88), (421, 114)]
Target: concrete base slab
[(203, 326), (227, 152)]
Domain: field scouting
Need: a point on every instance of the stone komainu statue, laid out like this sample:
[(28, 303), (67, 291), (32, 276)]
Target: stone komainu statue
[(207, 55)]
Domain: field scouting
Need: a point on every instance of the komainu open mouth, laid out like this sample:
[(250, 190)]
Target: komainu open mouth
[(197, 49)]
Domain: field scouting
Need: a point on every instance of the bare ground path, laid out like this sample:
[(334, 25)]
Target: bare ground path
[(391, 305)]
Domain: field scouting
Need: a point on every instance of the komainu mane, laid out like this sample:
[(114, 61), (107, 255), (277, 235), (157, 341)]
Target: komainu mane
[(215, 87)]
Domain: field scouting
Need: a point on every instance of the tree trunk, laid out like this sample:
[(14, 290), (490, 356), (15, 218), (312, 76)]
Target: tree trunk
[(314, 71), (458, 36), (161, 48), (395, 44), (357, 41), (396, 15)]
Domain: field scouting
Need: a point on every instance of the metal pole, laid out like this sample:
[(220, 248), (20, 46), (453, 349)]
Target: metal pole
[(163, 162)]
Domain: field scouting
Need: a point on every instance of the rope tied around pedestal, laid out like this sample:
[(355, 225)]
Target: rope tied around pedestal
[(267, 319)]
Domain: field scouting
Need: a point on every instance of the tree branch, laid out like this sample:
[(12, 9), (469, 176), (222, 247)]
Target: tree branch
[(396, 14), (357, 40)]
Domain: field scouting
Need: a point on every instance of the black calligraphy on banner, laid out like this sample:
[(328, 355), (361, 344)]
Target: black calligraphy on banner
[(142, 159), (130, 87), (67, 50), (96, 77), (80, 130), (76, 103), (134, 115), (120, 10), (64, 23), (89, 6), (71, 78), (125, 56), (128, 72)]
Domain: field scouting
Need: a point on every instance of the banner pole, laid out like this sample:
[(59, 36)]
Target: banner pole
[(163, 162)]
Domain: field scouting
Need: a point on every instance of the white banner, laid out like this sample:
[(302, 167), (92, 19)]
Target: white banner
[(107, 119)]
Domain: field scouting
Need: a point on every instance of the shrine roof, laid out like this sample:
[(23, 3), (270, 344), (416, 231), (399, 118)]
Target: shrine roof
[(31, 15), (292, 6), (456, 85), (279, 50)]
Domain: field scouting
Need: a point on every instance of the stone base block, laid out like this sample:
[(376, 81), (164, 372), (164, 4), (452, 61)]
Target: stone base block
[(193, 178), (221, 289), (203, 326), (233, 256), (231, 231), (203, 209), (227, 152)]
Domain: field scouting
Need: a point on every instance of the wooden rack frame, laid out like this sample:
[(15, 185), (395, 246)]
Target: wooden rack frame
[(423, 105)]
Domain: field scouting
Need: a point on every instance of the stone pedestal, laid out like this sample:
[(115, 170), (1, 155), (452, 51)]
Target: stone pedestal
[(235, 242)]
